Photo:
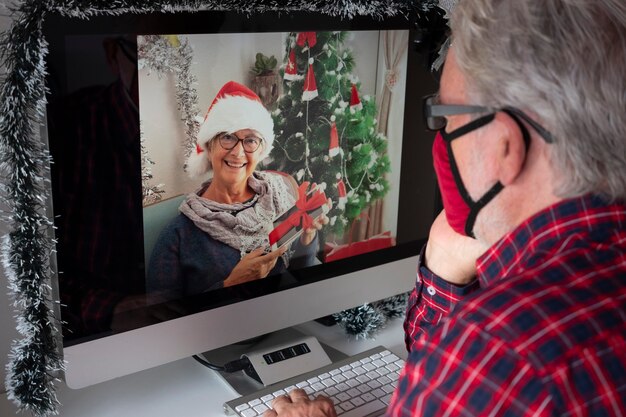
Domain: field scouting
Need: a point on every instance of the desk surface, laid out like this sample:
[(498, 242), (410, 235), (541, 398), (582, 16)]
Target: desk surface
[(185, 387)]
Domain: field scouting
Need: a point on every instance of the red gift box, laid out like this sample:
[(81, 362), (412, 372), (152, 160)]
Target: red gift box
[(377, 242), (291, 224)]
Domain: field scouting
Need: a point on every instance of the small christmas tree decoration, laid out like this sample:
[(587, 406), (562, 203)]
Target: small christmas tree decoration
[(291, 73), (355, 101), (306, 38), (310, 87), (341, 191), (333, 149)]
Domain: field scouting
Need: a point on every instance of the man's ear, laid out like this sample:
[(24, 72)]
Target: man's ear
[(511, 151)]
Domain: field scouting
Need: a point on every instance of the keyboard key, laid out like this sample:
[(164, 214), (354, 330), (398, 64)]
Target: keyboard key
[(318, 386), (342, 386), (372, 375), (345, 368), (290, 388), (267, 398), (378, 363), (353, 392), (352, 383), (357, 401), (378, 393), (329, 382), (391, 358), (374, 384), (334, 372), (359, 370), (342, 396), (384, 353), (383, 371), (346, 406), (367, 397), (366, 409), (349, 374), (399, 363), (324, 375), (260, 409), (249, 413), (355, 364), (339, 378), (375, 356), (368, 367), (386, 399), (388, 389), (254, 403), (384, 380), (313, 380), (366, 360), (364, 388), (392, 367), (242, 407), (331, 391), (308, 390), (302, 384), (363, 379), (279, 393)]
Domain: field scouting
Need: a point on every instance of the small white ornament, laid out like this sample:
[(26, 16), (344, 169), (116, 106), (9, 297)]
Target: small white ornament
[(311, 61), (333, 118), (300, 114), (299, 135)]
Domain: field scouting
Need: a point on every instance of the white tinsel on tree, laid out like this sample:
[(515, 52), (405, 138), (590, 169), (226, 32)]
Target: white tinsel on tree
[(34, 359), (150, 193)]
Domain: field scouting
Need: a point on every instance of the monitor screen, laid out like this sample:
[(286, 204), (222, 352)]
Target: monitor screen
[(171, 232)]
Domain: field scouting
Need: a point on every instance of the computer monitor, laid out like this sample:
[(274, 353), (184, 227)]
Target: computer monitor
[(125, 92)]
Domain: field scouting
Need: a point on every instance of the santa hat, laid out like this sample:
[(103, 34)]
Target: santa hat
[(341, 191), (235, 107), (333, 148), (355, 101), (291, 73), (310, 86)]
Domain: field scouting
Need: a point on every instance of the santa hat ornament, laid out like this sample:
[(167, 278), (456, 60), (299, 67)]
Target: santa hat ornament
[(291, 71), (235, 107), (310, 87), (355, 101), (341, 190), (333, 149)]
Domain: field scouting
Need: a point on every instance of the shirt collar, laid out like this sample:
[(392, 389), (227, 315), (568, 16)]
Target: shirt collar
[(584, 215)]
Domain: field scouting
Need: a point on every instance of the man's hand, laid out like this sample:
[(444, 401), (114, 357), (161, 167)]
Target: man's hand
[(450, 255), (298, 404), (253, 266)]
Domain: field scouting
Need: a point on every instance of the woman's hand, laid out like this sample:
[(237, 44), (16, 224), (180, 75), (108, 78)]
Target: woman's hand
[(450, 255), (308, 235), (253, 266)]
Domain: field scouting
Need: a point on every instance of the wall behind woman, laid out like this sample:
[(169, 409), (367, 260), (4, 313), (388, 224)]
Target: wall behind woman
[(7, 321)]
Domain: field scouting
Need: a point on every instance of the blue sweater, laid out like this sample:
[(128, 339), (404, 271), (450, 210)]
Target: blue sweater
[(187, 261)]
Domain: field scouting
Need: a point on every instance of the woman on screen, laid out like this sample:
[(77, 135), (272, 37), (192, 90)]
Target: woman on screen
[(220, 237)]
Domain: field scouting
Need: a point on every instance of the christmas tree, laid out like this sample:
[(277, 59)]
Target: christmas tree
[(326, 133)]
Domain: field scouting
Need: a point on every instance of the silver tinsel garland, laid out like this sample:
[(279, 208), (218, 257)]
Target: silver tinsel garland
[(34, 360)]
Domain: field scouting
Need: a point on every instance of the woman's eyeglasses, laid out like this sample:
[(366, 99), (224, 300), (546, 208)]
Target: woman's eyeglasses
[(434, 115), (250, 144)]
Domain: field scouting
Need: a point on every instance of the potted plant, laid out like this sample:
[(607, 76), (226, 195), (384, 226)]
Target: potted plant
[(266, 81)]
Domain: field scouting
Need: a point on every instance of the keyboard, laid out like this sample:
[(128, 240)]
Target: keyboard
[(359, 386)]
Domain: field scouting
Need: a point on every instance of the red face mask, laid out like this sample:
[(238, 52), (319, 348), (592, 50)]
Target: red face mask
[(461, 210)]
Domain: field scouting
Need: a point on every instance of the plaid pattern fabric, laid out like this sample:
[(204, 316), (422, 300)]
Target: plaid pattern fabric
[(97, 203), (542, 331)]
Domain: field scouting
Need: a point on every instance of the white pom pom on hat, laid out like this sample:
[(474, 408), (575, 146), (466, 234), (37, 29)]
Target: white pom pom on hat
[(235, 107)]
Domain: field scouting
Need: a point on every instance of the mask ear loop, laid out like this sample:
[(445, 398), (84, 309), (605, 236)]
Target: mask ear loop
[(475, 206)]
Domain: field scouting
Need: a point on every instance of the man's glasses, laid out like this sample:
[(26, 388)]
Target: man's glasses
[(250, 144), (434, 115)]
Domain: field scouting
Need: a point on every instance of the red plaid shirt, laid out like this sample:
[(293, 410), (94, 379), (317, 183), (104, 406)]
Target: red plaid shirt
[(542, 331)]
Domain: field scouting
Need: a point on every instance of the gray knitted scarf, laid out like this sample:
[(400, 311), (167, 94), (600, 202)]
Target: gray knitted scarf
[(242, 226)]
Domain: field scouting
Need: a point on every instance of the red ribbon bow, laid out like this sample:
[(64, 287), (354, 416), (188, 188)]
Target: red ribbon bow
[(309, 37), (300, 216)]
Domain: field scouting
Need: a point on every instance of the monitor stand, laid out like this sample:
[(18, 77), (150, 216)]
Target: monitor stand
[(244, 384)]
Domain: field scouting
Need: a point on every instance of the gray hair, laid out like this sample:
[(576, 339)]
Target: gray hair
[(563, 62)]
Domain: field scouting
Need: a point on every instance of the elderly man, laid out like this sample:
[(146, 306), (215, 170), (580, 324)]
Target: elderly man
[(527, 315)]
